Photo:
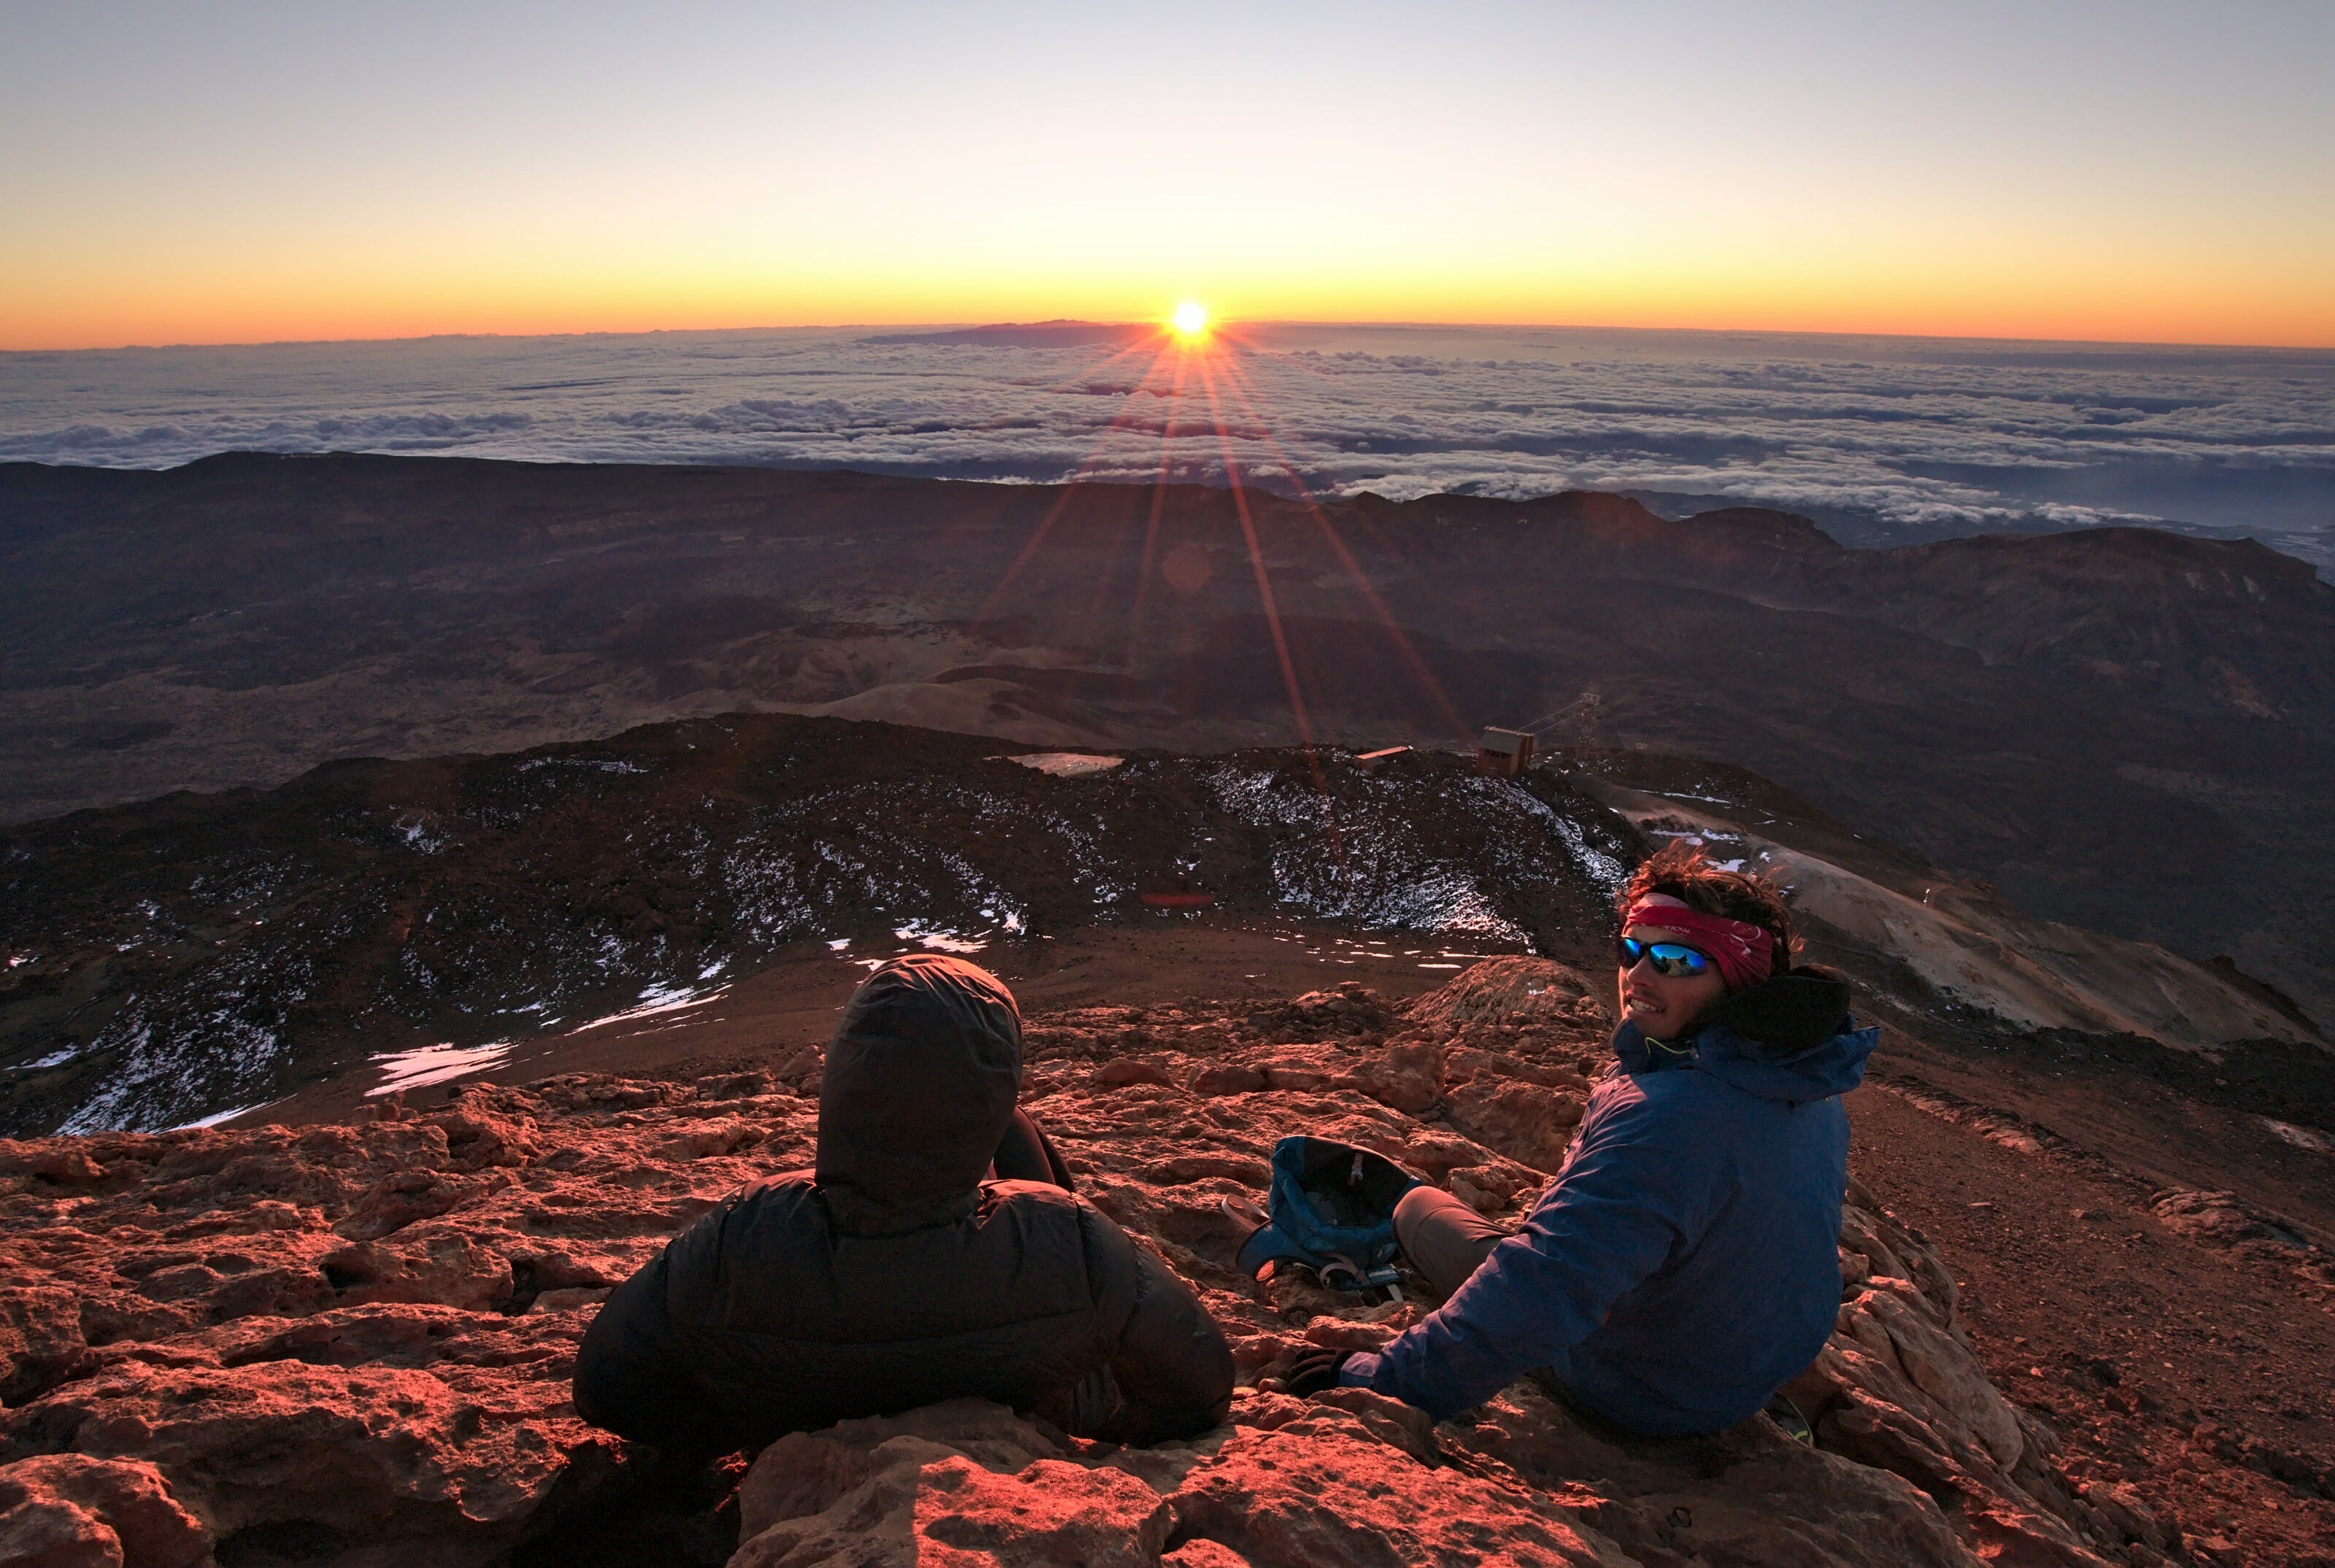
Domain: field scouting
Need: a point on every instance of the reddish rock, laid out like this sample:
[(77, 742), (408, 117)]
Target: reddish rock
[(353, 1450), (800, 1474), (1407, 1076), (1324, 1491), (443, 1267), (43, 1532), (401, 1198), (1371, 1334), (1721, 1498), (1391, 1421), (1178, 1170), (1527, 1122), (1129, 1070), (477, 1135), (1943, 1368), (206, 1320), (41, 1341), (65, 1166), (68, 1509), (1514, 993), (1435, 1152), (710, 1139), (1308, 1070), (1349, 1008), (1051, 1512), (968, 1477), (1226, 1078), (2222, 1220), (1487, 1189)]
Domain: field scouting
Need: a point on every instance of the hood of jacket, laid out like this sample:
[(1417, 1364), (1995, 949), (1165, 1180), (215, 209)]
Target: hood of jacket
[(1789, 1038), (919, 1084)]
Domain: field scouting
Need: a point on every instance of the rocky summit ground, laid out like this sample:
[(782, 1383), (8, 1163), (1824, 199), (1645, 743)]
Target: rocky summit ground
[(349, 1342)]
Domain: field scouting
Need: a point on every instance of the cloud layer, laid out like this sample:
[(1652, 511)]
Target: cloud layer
[(1880, 439)]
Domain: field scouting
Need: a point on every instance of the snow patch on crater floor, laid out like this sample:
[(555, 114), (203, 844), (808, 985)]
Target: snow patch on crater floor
[(424, 1064), (1068, 764), (217, 1117), (1365, 855), (654, 1003), (2299, 1136), (942, 940), (1601, 867), (55, 1059)]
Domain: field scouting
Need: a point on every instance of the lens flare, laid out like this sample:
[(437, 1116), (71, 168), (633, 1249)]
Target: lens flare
[(1190, 319)]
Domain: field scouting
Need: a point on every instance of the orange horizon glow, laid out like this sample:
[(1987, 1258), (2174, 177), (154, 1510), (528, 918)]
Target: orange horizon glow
[(2252, 321), (111, 308), (434, 285), (557, 274)]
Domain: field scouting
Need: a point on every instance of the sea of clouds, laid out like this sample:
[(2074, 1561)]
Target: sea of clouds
[(1881, 440)]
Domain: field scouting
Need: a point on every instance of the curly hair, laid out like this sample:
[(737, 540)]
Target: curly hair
[(1680, 870)]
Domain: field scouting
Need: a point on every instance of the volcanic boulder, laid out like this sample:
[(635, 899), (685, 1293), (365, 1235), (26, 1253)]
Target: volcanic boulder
[(67, 1510)]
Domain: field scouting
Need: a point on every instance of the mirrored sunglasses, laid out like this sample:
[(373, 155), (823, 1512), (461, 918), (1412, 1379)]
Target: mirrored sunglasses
[(1674, 959)]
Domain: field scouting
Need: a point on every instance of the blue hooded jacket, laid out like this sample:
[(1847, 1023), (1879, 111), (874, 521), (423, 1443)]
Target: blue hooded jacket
[(1683, 1265)]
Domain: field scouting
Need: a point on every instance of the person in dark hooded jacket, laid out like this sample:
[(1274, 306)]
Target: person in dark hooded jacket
[(1683, 1265), (893, 1275)]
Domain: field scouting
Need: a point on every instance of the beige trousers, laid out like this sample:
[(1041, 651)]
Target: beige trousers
[(1444, 1239)]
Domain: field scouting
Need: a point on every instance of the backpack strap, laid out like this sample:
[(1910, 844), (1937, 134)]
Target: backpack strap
[(1268, 1243)]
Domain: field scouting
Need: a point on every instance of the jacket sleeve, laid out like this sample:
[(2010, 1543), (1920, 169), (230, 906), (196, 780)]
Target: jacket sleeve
[(1637, 1192), (1171, 1363), (632, 1371)]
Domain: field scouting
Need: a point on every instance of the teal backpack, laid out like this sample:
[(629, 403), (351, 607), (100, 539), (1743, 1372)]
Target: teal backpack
[(1331, 1212)]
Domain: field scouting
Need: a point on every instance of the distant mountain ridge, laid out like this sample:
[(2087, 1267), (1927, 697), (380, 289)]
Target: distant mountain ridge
[(2123, 729), (1056, 334)]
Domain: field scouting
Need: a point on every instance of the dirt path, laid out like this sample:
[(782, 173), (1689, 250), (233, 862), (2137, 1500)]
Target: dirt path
[(2200, 1377), (2161, 1119), (791, 1004)]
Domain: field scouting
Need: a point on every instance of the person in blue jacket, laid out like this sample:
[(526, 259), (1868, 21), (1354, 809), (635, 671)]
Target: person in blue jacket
[(1683, 1265)]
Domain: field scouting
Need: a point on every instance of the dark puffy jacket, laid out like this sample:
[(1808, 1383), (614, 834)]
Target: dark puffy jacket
[(893, 1275), (1684, 1264)]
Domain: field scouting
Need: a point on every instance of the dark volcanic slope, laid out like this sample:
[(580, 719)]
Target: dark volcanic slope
[(201, 955), (2127, 729)]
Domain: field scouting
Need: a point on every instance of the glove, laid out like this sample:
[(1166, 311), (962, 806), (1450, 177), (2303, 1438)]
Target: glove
[(1312, 1371)]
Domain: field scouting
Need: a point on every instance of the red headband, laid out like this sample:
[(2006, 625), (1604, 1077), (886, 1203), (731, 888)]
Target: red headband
[(1745, 954)]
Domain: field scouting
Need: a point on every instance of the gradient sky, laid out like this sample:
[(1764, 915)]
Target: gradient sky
[(241, 172)]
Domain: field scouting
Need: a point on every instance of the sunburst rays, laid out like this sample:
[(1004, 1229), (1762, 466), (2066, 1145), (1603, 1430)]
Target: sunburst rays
[(1232, 411)]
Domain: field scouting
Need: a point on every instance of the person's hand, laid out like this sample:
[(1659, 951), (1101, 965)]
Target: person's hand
[(1312, 1371)]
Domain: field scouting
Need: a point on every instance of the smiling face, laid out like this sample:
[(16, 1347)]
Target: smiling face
[(1663, 1006)]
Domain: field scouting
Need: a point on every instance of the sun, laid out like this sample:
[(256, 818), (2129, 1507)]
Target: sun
[(1190, 319)]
